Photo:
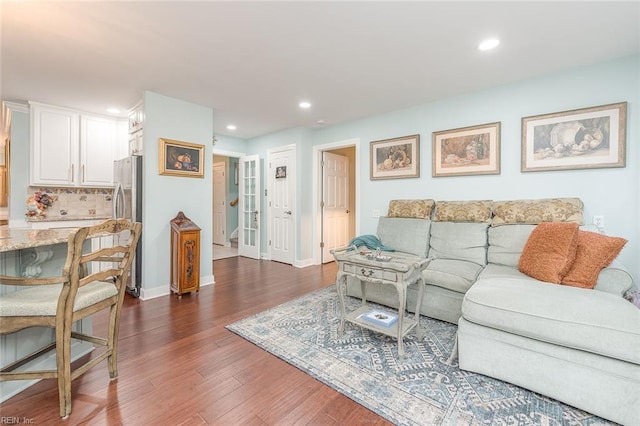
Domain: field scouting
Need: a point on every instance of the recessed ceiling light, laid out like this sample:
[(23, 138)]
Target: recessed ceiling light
[(320, 122), (113, 110), (231, 127), (489, 44), (304, 105)]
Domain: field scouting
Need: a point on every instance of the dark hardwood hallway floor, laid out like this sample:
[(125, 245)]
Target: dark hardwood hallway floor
[(178, 365)]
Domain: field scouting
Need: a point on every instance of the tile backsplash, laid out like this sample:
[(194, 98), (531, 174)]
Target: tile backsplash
[(75, 203)]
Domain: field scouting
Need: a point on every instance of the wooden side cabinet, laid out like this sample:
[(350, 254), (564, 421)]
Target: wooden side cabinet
[(185, 255)]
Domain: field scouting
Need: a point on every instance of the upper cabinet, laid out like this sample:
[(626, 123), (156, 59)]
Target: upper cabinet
[(70, 148), (98, 142), (136, 134), (55, 138)]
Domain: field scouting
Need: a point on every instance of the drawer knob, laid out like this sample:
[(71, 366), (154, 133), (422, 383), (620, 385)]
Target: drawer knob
[(366, 273)]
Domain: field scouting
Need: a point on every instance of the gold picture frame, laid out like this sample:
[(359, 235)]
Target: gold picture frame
[(466, 151), (586, 138), (176, 158), (395, 158)]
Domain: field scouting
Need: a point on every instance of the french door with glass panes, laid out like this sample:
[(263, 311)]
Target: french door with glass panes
[(249, 226)]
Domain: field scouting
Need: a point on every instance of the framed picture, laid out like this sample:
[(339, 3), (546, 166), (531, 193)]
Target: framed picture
[(180, 158), (281, 172), (586, 138), (473, 150), (395, 158)]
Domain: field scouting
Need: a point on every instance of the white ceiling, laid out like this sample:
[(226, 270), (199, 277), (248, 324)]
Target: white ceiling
[(252, 62)]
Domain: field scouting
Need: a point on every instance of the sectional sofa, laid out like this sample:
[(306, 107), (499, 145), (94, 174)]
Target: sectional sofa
[(577, 345)]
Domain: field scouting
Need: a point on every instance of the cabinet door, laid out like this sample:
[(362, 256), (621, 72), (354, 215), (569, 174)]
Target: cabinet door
[(98, 137), (135, 143), (54, 146), (122, 140)]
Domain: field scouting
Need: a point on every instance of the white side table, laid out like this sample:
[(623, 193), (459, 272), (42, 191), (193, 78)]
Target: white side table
[(400, 270)]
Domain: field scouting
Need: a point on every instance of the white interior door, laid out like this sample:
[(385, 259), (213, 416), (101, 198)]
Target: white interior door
[(282, 200), (219, 203), (248, 227), (335, 203)]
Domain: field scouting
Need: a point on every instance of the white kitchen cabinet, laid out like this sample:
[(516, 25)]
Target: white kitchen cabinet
[(136, 134), (136, 118), (136, 143), (70, 148), (55, 136), (98, 142), (122, 144)]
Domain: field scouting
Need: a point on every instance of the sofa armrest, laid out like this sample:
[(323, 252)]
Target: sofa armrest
[(614, 279)]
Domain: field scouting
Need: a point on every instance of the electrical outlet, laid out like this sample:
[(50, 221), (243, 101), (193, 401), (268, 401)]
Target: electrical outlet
[(375, 213), (598, 221)]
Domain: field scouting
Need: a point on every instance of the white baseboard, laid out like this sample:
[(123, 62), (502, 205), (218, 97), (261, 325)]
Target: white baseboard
[(304, 263), (152, 293)]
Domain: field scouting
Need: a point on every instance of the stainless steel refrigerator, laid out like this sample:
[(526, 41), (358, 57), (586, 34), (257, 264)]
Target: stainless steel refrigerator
[(127, 204)]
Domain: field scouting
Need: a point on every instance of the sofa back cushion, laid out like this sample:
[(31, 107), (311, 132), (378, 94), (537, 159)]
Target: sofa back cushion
[(419, 209), (463, 211), (463, 241), (538, 211), (407, 235), (506, 243)]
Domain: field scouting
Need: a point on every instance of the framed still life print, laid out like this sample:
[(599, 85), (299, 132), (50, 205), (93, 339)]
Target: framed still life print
[(178, 158), (395, 158), (584, 138), (473, 150)]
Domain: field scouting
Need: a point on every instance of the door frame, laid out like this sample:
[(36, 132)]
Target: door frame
[(317, 194), (270, 182), (223, 153)]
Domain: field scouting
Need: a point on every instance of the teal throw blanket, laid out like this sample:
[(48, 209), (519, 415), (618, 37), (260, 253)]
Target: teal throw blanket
[(371, 242)]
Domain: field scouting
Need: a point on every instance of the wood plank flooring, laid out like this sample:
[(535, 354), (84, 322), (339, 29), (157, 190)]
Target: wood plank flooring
[(178, 365)]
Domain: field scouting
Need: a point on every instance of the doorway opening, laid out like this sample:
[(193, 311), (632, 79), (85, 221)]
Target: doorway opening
[(336, 192), (225, 206)]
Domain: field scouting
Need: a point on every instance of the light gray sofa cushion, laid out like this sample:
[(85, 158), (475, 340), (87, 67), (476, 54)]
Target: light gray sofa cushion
[(493, 271), (506, 243), (577, 318), (407, 235), (462, 241), (454, 275)]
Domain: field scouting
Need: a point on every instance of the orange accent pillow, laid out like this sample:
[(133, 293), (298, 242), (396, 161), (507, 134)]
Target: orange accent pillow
[(595, 252), (549, 251)]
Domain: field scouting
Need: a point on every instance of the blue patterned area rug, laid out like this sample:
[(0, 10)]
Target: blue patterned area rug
[(420, 390)]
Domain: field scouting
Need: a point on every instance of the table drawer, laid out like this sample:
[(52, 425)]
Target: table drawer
[(367, 272)]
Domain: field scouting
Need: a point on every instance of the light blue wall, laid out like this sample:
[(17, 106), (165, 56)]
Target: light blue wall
[(611, 192), (302, 139), (230, 144), (165, 196)]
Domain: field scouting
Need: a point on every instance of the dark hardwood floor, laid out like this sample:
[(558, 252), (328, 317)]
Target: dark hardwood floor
[(178, 365)]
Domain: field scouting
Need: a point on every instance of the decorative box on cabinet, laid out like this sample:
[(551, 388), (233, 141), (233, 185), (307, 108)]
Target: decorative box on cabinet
[(185, 255)]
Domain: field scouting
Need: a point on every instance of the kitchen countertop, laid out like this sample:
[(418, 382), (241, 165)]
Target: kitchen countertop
[(21, 238)]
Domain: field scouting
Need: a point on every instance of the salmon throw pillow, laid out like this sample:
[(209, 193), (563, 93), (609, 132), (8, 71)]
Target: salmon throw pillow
[(595, 252), (549, 252)]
